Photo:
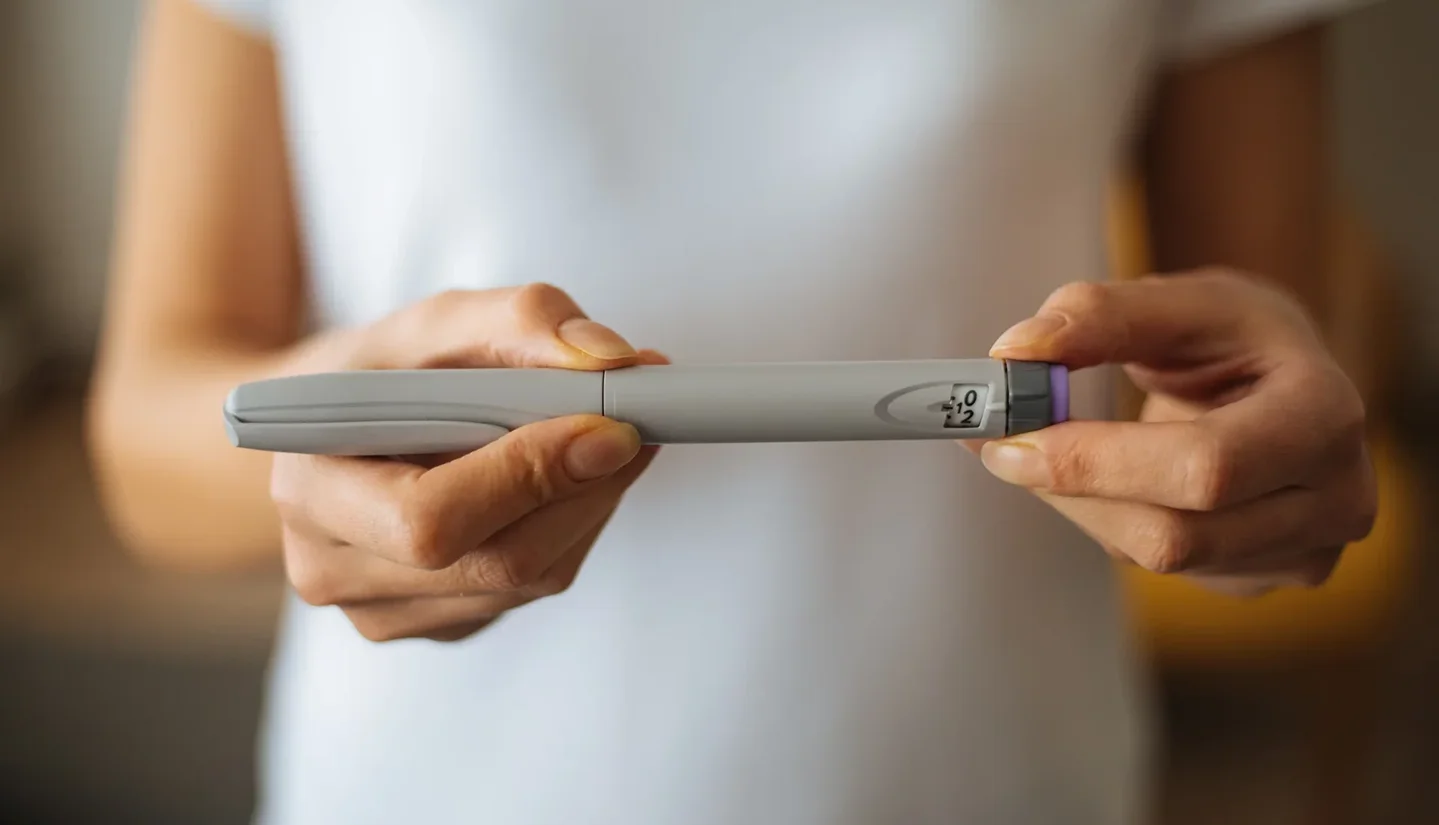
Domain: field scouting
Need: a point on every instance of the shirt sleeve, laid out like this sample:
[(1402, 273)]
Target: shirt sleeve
[(252, 15), (1197, 29)]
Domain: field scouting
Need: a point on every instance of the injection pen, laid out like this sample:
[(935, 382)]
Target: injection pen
[(420, 412)]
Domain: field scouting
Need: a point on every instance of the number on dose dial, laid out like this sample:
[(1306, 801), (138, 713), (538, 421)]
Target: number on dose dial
[(965, 408)]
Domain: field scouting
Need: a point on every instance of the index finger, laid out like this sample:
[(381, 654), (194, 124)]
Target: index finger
[(1275, 438), (1159, 321), (535, 325), (429, 518)]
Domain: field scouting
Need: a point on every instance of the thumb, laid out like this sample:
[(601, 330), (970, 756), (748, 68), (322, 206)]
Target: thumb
[(1160, 322)]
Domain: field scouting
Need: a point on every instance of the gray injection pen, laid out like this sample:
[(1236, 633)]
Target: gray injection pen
[(419, 412)]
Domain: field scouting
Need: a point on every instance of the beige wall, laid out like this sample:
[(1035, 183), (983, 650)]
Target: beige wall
[(67, 60)]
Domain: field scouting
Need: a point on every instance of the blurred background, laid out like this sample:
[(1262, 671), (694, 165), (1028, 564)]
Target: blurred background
[(128, 695)]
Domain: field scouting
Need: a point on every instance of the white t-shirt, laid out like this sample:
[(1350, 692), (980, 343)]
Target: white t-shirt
[(801, 634)]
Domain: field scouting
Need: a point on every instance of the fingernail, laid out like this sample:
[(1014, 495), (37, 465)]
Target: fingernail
[(595, 340), (1017, 462), (602, 451), (1029, 332)]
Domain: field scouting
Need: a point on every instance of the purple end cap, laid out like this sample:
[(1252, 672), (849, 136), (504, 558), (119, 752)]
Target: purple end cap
[(1059, 392)]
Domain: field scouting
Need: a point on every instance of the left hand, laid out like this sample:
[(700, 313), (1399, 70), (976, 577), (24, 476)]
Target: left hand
[(1248, 469)]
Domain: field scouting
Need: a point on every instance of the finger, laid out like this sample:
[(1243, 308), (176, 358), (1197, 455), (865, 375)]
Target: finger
[(647, 357), (1308, 570), (521, 556), (343, 575), (566, 571), (1185, 465), (1162, 540), (1166, 408), (1178, 320), (328, 571), (537, 325), (527, 470), (1182, 465), (459, 632), (1295, 429), (388, 621), (428, 518), (454, 617)]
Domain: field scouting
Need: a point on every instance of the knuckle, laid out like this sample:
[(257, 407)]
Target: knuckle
[(440, 307), (502, 569), (1224, 276), (447, 300), (1084, 298), (433, 310), (375, 629), (458, 633), (286, 488), (1322, 381), (532, 471), (1169, 545), (1071, 470), (310, 580), (1341, 436), (1228, 283), (1350, 508), (1207, 474), (1363, 510), (556, 582), (1318, 572), (1366, 518), (1353, 419), (537, 299), (420, 536)]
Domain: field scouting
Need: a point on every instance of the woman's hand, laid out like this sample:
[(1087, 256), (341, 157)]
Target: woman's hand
[(439, 549), (1248, 469)]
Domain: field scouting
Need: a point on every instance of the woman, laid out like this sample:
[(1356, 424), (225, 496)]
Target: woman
[(791, 633)]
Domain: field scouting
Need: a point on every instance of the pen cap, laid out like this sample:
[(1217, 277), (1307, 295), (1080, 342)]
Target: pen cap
[(402, 412)]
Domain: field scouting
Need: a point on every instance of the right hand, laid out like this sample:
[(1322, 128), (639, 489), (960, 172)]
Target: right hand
[(438, 548)]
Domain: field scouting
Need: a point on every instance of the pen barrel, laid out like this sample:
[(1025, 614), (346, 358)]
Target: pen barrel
[(790, 402), (403, 412)]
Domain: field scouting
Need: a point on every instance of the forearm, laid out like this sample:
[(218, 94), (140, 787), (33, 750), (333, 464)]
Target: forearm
[(176, 491), (206, 291)]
